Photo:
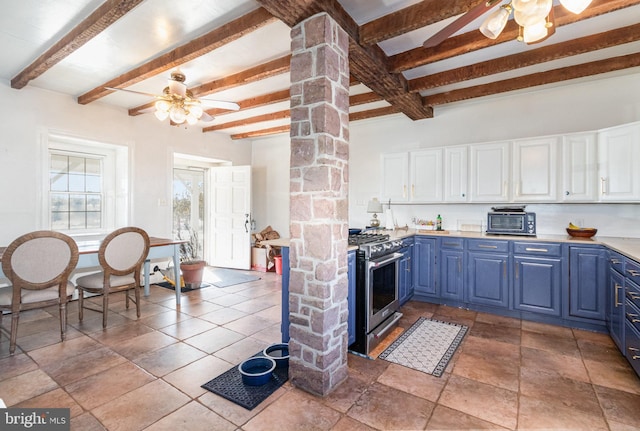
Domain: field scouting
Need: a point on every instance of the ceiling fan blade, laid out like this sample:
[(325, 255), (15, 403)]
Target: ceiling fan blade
[(135, 92), (456, 25), (232, 106), (206, 118)]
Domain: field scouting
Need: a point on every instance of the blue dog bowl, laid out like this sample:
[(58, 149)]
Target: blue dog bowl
[(279, 353), (257, 370)]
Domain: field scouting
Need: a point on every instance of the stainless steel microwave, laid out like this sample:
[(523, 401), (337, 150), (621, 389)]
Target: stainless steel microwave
[(511, 223)]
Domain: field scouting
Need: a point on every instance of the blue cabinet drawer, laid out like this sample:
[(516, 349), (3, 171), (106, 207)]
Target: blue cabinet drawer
[(452, 243), (632, 313), (632, 270), (537, 248), (632, 292), (488, 245), (632, 351), (617, 261)]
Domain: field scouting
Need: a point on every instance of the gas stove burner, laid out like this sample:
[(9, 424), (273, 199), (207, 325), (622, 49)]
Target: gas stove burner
[(367, 238)]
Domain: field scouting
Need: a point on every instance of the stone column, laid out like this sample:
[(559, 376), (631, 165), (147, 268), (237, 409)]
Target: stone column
[(319, 204)]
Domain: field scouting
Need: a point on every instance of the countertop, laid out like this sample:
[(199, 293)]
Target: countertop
[(629, 247)]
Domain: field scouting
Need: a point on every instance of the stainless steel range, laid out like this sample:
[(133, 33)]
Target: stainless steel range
[(377, 300)]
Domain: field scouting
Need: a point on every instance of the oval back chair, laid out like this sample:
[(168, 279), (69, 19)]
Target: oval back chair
[(121, 256), (38, 265)]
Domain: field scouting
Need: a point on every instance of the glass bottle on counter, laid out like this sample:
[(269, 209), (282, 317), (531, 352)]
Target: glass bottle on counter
[(439, 222)]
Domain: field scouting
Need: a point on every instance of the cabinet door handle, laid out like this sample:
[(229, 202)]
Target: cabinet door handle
[(460, 266), (541, 250), (413, 191), (517, 270), (487, 246), (633, 317), (504, 268), (404, 191), (616, 287), (451, 244), (615, 261), (633, 272), (633, 355), (603, 182)]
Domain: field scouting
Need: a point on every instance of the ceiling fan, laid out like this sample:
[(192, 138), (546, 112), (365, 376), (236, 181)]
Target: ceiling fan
[(535, 18), (179, 104)]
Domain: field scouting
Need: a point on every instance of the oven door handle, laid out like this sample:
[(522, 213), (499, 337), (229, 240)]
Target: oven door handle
[(377, 263)]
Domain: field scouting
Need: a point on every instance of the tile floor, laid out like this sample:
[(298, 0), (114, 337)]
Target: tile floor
[(146, 374)]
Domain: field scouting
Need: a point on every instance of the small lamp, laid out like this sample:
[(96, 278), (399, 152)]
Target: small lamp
[(374, 207)]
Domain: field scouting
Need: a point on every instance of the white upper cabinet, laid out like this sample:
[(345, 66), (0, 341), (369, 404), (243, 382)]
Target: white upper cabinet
[(395, 177), (425, 173), (455, 174), (618, 157), (535, 169), (489, 172), (579, 168)]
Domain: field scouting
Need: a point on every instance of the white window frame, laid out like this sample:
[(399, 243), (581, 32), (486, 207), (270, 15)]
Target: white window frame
[(116, 203)]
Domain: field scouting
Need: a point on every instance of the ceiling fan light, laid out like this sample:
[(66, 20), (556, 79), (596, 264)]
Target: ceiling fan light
[(177, 88), (496, 22), (524, 6), (161, 115), (191, 119), (535, 32), (196, 110), (177, 114), (532, 16), (575, 6), (163, 105)]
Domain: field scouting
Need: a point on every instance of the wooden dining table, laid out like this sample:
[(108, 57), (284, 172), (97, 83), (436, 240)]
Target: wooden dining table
[(159, 248)]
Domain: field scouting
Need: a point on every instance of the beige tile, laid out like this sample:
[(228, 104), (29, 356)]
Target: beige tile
[(15, 365), (503, 372), (228, 300), (613, 375), (62, 351), (190, 377), (486, 402), (142, 344), (552, 341), (241, 350), (348, 424), (444, 418), (87, 364), (214, 339), (549, 414), (56, 399), (563, 366), (248, 325), (163, 361), (303, 411), (383, 407), (497, 332), (188, 328), (25, 386), (619, 406), (86, 422), (118, 334), (113, 383), (496, 320), (343, 397), (546, 384), (545, 328), (164, 319), (193, 417), (235, 413), (413, 382), (141, 407), (223, 316), (196, 309)]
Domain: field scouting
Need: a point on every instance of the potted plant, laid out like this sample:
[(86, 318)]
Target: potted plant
[(191, 264)]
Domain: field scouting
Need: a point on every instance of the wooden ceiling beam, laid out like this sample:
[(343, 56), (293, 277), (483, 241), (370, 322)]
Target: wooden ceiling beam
[(182, 54), (361, 99), (366, 64), (261, 132), (372, 113), (255, 102), (536, 79), (528, 58), (105, 15), (474, 40), (247, 121), (411, 18)]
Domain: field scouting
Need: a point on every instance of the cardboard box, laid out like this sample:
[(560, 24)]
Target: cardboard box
[(260, 261)]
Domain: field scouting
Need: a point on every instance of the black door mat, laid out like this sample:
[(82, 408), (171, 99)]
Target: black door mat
[(229, 385), (168, 285)]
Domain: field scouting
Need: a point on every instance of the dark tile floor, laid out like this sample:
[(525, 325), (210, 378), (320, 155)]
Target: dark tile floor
[(146, 374)]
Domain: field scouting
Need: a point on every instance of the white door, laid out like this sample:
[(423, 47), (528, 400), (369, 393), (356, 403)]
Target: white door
[(230, 240), (618, 153), (394, 167), (455, 174), (579, 167)]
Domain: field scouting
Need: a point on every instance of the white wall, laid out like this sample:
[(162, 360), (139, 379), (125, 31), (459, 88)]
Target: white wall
[(575, 107), (26, 113)]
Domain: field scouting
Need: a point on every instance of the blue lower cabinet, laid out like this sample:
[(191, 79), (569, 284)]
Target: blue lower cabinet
[(587, 283), (405, 276), (488, 279), (351, 298), (451, 274), (537, 285), (424, 279)]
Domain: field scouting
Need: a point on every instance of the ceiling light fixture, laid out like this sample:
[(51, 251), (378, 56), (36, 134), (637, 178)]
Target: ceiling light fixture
[(177, 103), (535, 18)]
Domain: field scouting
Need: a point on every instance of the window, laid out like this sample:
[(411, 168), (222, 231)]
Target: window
[(75, 192), (86, 185)]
